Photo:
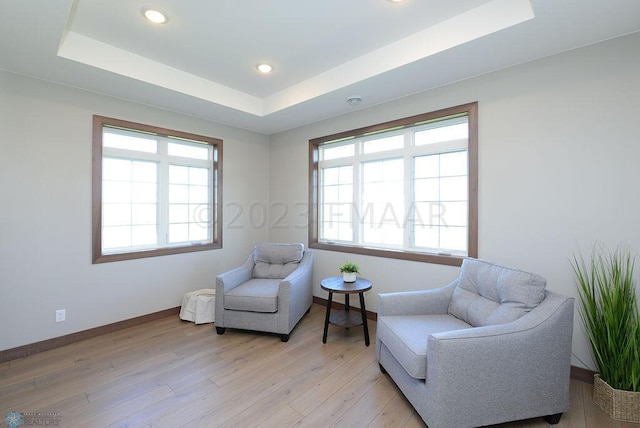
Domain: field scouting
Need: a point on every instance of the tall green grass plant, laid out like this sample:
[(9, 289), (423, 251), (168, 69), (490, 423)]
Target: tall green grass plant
[(610, 313)]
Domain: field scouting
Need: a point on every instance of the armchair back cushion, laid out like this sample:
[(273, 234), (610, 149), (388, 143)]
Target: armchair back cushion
[(276, 261), (488, 294)]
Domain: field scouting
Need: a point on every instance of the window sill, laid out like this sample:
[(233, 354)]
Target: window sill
[(106, 258), (392, 254)]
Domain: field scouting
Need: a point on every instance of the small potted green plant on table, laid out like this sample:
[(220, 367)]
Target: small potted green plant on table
[(349, 271)]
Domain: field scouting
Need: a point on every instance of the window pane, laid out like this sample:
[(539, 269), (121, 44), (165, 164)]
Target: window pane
[(146, 172), (453, 189), (337, 224), (427, 189), (345, 193), (129, 196), (393, 170), (199, 176), (384, 170), (441, 201), (198, 194), (453, 238), (178, 232), (116, 192), (441, 134), (144, 214), (346, 175), (178, 213), (116, 214), (144, 192), (200, 214), (454, 214), (337, 201), (126, 181), (116, 169), (113, 139), (197, 232), (192, 151), (345, 232), (330, 231), (428, 213), (330, 176), (382, 207), (331, 194), (427, 237), (189, 204), (336, 213), (178, 194), (178, 174), (426, 166), (143, 235), (116, 237), (454, 163), (338, 231), (337, 175), (387, 234), (384, 143), (336, 152), (372, 170)]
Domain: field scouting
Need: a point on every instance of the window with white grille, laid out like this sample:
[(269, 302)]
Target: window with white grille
[(405, 189), (156, 191)]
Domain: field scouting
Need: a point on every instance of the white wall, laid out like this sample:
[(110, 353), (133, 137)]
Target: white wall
[(45, 214), (559, 167), (559, 157)]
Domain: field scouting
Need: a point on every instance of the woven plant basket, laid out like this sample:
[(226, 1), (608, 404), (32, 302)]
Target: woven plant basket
[(618, 404)]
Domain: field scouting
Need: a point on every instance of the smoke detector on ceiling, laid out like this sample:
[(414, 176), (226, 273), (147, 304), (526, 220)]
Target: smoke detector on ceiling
[(354, 100)]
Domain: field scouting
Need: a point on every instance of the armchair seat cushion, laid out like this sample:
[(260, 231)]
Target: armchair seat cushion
[(255, 295), (406, 337)]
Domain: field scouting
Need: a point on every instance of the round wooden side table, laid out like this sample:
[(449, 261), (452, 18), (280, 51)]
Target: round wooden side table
[(346, 318)]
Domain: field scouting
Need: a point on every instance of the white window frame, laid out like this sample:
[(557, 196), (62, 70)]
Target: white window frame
[(405, 127), (163, 160)]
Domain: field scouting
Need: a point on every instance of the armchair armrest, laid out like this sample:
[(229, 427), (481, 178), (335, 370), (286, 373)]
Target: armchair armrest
[(298, 282), (228, 280), (423, 302), (295, 294)]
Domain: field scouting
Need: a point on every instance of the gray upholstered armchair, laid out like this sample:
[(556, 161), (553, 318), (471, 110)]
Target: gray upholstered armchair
[(493, 346), (270, 292)]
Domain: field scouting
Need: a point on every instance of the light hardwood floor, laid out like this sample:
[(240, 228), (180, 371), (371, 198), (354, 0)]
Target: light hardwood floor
[(171, 373)]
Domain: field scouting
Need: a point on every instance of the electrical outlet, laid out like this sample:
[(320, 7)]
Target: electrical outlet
[(61, 315)]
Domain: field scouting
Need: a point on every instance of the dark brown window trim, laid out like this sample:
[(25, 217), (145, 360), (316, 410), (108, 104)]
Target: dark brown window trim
[(97, 257), (472, 110)]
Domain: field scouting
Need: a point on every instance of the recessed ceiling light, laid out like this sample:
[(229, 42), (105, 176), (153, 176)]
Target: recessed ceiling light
[(395, 1), (264, 68), (155, 16)]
